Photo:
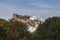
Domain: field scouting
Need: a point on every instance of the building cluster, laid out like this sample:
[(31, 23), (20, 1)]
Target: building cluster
[(31, 21)]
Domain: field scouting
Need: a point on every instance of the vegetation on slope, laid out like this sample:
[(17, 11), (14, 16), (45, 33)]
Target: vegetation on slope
[(49, 30)]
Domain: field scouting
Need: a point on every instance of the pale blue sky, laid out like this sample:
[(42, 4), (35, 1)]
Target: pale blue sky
[(40, 8)]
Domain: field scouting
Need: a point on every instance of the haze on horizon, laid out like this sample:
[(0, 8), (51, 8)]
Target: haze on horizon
[(40, 8)]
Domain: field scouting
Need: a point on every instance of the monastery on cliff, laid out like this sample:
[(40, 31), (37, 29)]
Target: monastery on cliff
[(31, 21)]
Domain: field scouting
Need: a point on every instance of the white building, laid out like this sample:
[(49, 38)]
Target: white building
[(31, 29), (33, 18)]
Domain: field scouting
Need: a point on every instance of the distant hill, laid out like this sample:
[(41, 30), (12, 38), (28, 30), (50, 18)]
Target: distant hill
[(3, 22)]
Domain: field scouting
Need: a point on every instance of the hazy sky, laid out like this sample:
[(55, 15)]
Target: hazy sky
[(40, 8)]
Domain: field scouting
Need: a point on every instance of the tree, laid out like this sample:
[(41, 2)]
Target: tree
[(49, 30), (4, 27), (13, 31), (18, 31)]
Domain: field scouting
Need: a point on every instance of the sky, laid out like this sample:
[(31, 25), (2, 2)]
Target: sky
[(39, 8)]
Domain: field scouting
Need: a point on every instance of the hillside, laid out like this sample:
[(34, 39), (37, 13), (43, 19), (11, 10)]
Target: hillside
[(16, 29)]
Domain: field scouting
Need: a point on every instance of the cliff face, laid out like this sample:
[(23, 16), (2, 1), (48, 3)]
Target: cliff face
[(28, 20)]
